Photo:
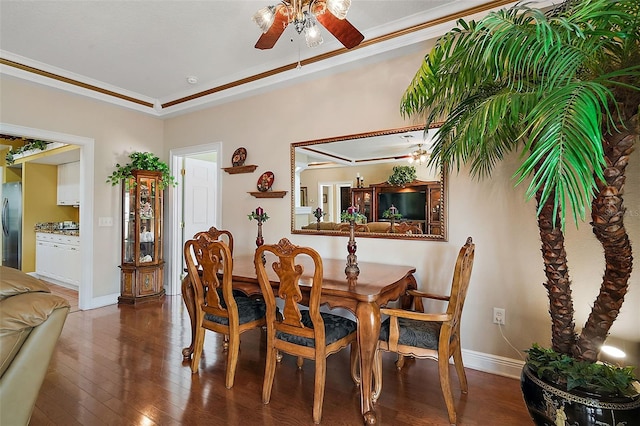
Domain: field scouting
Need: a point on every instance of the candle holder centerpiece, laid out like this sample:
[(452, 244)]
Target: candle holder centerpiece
[(392, 214), (260, 216), (352, 216), (318, 214)]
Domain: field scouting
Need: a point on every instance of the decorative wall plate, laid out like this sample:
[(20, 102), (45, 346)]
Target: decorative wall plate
[(265, 181), (239, 155)]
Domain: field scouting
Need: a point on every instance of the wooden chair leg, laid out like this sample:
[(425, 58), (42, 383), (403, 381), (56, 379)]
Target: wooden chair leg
[(232, 360), (197, 349), (462, 375), (355, 362), (318, 394), (377, 376), (443, 372), (400, 362), (269, 373)]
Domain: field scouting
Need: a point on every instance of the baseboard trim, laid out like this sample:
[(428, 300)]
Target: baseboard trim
[(102, 301), (493, 364), (54, 281)]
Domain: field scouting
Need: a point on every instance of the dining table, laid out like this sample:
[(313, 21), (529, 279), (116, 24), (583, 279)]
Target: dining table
[(376, 285)]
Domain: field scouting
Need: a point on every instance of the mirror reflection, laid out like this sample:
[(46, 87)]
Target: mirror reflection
[(383, 174)]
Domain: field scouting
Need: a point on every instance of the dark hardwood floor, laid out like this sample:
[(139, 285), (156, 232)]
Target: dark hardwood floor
[(123, 366), (67, 293)]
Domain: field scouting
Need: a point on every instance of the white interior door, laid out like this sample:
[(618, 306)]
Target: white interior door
[(200, 184), (194, 205)]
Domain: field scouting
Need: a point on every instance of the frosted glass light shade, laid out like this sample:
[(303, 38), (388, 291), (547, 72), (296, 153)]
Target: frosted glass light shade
[(264, 18), (339, 8), (312, 33)]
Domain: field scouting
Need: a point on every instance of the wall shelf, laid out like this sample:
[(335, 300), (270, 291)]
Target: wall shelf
[(269, 194), (240, 169)]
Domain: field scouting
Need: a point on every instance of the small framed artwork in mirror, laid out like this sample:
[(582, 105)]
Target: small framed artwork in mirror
[(304, 202)]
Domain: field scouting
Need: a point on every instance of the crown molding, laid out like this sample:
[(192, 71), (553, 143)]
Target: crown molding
[(390, 44)]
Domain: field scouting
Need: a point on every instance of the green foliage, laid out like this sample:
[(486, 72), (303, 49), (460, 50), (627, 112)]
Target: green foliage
[(356, 217), (142, 161), (402, 175), (261, 217), (388, 215), (600, 378), (31, 144), (539, 83), (318, 213)]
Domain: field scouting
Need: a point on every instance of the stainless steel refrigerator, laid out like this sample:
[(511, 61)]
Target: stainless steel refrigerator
[(12, 224)]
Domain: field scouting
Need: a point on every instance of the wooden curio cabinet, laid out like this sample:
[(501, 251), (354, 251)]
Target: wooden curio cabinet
[(142, 234), (363, 199)]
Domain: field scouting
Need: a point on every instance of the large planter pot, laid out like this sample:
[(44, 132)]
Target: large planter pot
[(549, 405)]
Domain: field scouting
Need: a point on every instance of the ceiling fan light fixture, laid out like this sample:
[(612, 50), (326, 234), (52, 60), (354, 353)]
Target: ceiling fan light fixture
[(312, 33), (264, 18), (339, 8), (418, 156)]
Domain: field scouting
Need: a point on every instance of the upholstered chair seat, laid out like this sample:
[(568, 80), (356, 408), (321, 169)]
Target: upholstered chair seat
[(249, 309), (420, 334), (336, 328)]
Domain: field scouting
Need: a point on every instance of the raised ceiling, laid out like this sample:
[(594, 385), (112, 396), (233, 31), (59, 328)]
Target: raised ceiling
[(139, 54)]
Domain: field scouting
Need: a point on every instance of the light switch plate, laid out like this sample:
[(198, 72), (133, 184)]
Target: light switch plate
[(105, 221)]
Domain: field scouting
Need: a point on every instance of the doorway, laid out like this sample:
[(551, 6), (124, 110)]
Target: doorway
[(195, 202), (332, 199), (85, 289)]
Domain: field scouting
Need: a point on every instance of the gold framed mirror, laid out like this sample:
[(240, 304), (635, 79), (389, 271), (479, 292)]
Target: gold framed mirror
[(354, 170)]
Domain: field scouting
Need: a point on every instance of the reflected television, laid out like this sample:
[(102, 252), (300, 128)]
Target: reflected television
[(411, 205)]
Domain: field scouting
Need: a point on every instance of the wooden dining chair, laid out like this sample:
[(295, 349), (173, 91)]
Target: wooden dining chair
[(304, 333), (430, 335), (210, 265), (218, 234), (226, 236)]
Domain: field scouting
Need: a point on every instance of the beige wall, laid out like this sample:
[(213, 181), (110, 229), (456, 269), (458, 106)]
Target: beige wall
[(508, 269), (116, 131)]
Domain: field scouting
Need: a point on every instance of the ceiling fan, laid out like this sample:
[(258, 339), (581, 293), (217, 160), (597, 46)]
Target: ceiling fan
[(273, 20)]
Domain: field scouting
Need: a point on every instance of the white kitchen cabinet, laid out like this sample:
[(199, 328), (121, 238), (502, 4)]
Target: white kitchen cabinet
[(69, 184), (58, 258)]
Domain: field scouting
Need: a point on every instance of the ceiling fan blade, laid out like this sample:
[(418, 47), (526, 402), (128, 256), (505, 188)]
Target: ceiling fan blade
[(268, 40), (341, 29)]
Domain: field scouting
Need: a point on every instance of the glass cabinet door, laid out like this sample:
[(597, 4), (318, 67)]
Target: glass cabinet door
[(129, 221), (142, 221), (146, 226)]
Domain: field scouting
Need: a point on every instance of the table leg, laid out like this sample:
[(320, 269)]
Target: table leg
[(188, 296), (368, 315)]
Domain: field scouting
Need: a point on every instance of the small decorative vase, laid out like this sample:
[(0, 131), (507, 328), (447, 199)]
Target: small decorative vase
[(550, 405)]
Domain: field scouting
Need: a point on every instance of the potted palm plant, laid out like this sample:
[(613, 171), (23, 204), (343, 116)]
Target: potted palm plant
[(562, 87)]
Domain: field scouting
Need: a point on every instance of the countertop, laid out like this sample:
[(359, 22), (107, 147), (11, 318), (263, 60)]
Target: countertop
[(69, 232), (55, 228)]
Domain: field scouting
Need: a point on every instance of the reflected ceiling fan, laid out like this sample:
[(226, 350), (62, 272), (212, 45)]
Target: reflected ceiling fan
[(304, 14)]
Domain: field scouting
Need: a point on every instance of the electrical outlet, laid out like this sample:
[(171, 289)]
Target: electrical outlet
[(498, 316)]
